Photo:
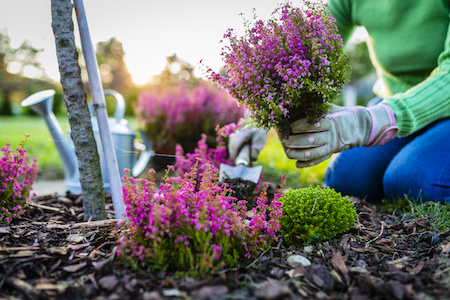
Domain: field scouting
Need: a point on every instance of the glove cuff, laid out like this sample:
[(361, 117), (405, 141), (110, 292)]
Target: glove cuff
[(384, 126)]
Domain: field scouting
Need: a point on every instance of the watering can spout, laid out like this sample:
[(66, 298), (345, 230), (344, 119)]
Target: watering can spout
[(42, 103)]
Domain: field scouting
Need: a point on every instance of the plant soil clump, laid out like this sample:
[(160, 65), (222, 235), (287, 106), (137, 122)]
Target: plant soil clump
[(243, 189)]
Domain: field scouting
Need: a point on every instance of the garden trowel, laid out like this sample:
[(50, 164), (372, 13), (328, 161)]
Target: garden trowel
[(241, 170)]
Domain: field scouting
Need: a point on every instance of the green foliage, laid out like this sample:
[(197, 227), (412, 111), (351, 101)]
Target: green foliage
[(311, 213)]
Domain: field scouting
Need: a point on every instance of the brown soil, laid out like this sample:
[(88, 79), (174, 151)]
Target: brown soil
[(244, 189), (51, 253)]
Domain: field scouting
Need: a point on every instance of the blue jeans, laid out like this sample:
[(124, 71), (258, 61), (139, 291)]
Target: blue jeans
[(417, 166)]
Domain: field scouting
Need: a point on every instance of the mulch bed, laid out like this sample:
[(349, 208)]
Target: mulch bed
[(51, 253)]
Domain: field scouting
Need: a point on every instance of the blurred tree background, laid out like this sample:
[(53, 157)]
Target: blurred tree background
[(21, 74), (175, 72), (114, 73), (14, 87), (359, 90)]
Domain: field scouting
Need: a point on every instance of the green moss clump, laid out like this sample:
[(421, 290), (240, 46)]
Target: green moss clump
[(310, 213)]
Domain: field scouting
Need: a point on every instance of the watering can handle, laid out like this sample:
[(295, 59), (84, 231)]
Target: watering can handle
[(145, 156), (119, 114)]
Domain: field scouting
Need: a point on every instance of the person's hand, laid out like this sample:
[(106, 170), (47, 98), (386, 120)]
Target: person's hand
[(256, 138), (342, 129)]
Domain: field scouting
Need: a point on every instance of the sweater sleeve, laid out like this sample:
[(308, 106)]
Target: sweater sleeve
[(342, 12), (426, 102)]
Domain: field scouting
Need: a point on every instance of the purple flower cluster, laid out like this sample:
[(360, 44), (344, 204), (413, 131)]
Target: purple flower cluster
[(180, 115), (201, 157), (191, 225), (16, 179), (285, 62)]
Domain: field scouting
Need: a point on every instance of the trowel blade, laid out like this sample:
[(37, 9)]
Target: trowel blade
[(240, 171)]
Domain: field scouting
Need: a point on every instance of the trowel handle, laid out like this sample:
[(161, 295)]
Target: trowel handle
[(243, 157)]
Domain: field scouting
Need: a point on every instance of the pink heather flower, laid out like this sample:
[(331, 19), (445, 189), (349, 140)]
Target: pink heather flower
[(202, 156), (191, 222), (226, 130), (164, 114), (17, 176)]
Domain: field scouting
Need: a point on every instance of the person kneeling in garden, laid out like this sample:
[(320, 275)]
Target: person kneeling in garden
[(400, 144)]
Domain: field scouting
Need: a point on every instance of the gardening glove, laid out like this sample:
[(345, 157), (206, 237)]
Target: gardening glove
[(342, 129), (255, 138)]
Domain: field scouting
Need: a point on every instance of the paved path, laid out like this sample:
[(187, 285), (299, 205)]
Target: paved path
[(42, 188)]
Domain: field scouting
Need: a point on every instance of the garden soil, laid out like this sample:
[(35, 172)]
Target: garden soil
[(51, 253)]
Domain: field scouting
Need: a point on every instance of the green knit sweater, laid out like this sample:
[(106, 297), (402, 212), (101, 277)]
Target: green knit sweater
[(409, 44)]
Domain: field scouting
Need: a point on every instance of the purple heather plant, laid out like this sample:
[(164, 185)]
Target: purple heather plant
[(17, 176), (293, 61), (180, 115), (193, 227), (203, 155)]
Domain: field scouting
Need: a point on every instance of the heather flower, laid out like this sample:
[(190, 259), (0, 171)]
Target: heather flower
[(178, 115), (191, 225), (17, 176), (202, 156), (293, 61)]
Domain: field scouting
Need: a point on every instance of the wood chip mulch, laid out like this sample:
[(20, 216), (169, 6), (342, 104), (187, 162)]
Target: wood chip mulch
[(50, 253)]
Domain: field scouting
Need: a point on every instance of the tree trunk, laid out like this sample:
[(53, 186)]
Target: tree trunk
[(78, 111)]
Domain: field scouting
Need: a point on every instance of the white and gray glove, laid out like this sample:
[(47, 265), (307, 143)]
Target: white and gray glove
[(255, 138), (342, 129)]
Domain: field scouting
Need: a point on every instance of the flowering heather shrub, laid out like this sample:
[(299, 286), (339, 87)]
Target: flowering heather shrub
[(16, 178), (186, 226), (310, 213), (202, 156), (293, 61), (180, 115)]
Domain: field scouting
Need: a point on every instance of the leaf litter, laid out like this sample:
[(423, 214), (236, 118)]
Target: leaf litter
[(51, 253)]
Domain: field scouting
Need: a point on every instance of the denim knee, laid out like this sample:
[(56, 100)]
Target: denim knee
[(399, 182), (420, 171), (393, 183), (345, 175)]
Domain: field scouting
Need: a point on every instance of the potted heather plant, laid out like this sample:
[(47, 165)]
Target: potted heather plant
[(179, 115), (288, 67)]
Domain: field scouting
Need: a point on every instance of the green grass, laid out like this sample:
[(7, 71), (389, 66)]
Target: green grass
[(437, 213), (275, 164), (40, 143)]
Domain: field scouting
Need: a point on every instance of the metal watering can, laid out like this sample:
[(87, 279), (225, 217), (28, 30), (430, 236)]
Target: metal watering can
[(123, 138)]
